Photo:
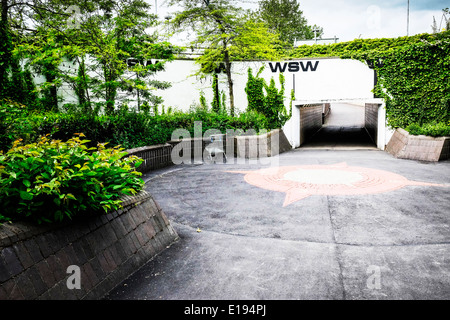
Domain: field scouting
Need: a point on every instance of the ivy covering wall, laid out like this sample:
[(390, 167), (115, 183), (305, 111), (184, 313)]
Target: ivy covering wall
[(413, 74)]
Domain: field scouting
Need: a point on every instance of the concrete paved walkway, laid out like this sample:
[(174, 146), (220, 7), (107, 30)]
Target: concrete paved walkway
[(239, 240), (343, 129)]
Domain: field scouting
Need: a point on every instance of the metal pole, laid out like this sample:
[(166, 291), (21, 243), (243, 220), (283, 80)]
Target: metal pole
[(293, 82), (407, 21)]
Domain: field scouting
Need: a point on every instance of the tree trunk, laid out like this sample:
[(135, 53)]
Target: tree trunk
[(5, 48), (52, 93), (230, 80)]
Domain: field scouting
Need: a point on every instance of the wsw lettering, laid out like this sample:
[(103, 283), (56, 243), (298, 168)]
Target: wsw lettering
[(293, 66)]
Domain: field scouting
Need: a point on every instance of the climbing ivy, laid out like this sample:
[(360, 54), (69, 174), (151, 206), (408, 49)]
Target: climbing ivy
[(270, 104), (413, 75), (415, 83)]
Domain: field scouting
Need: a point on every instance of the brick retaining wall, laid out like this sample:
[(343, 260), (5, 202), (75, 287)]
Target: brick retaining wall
[(265, 145), (406, 146), (107, 249), (310, 120), (371, 120), (155, 157)]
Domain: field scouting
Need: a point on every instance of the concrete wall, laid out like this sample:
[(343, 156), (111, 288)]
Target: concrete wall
[(329, 78), (311, 79)]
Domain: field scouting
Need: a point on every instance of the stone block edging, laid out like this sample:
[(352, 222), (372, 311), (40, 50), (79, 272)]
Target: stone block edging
[(424, 148)]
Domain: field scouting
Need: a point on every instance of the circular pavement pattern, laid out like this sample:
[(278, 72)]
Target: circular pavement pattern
[(299, 182)]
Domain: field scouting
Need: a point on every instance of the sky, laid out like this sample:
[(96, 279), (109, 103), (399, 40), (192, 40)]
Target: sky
[(351, 19)]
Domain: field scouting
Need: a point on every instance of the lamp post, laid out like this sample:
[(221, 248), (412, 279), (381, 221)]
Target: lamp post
[(315, 30), (372, 64)]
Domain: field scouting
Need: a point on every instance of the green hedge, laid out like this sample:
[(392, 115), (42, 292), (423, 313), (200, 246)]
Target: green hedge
[(433, 130), (362, 48), (128, 129)]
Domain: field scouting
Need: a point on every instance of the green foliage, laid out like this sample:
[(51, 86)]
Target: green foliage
[(414, 83), (51, 180), (412, 74), (15, 123), (271, 104), (203, 102), (430, 129), (127, 128), (361, 49), (285, 18), (254, 90)]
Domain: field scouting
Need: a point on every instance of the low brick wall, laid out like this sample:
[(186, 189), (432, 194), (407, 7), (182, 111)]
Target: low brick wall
[(155, 157), (108, 248), (243, 146), (406, 146), (259, 146)]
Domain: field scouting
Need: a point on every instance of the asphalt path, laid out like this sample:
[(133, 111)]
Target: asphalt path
[(338, 224)]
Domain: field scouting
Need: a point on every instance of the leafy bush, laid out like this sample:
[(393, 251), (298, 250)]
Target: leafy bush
[(413, 74), (271, 104), (413, 80), (128, 129), (429, 129), (51, 180), (14, 123)]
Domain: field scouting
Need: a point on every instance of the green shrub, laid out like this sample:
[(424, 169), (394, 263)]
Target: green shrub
[(430, 129), (271, 105), (15, 123), (51, 180)]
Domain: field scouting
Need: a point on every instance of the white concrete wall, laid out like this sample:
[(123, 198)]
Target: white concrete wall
[(332, 80), (335, 79)]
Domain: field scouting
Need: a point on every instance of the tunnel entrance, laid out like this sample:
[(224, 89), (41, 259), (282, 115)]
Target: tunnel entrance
[(343, 126), (340, 125)]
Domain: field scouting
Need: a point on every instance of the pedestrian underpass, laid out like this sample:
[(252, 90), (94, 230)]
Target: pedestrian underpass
[(338, 124)]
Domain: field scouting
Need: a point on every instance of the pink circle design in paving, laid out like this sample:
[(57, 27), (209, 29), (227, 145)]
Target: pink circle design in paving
[(299, 182)]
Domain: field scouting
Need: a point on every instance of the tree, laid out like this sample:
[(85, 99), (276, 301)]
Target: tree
[(286, 18), (99, 38), (227, 33), (445, 13)]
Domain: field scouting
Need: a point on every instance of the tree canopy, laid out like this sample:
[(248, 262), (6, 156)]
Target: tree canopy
[(95, 39), (285, 18)]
